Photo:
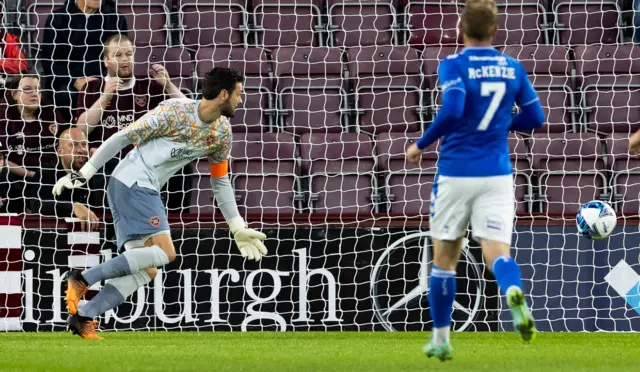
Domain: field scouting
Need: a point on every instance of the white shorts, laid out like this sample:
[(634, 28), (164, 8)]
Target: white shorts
[(486, 202)]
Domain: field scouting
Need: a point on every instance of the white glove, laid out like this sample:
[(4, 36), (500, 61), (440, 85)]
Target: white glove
[(249, 241), (74, 179)]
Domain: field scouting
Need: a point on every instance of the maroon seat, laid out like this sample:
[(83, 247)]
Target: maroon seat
[(587, 22), (257, 112), (387, 84), (407, 187), (549, 70), (570, 170), (625, 180), (177, 61), (209, 23), (149, 20), (265, 171), (431, 58), (521, 22), (312, 93), (296, 22), (340, 168), (608, 76), (432, 23), (521, 163), (358, 23)]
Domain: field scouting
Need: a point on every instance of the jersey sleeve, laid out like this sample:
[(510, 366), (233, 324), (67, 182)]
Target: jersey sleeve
[(450, 77), (219, 150), (159, 122), (527, 94)]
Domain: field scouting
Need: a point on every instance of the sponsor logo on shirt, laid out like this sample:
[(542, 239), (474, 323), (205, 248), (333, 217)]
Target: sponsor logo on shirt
[(123, 121), (181, 153), (153, 122)]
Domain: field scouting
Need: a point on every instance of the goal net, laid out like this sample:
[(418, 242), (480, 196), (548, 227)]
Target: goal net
[(334, 93)]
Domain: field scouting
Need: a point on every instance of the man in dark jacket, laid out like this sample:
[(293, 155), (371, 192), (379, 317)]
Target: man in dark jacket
[(71, 51), (73, 153)]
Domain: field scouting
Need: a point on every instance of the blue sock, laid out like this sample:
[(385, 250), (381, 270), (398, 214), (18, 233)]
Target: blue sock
[(507, 273), (442, 293)]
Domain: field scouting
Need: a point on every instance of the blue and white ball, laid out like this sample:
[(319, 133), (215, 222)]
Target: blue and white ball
[(596, 220)]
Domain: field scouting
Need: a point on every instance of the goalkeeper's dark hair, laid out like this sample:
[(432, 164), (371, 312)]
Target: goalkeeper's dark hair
[(479, 18), (219, 79)]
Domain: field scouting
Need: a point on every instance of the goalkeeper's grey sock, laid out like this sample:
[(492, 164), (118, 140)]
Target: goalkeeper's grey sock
[(113, 294), (127, 263)]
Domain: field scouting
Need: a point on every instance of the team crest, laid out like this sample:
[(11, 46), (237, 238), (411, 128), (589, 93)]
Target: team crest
[(53, 128), (154, 221), (210, 140), (141, 100)]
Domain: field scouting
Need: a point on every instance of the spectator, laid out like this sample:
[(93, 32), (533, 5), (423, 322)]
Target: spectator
[(109, 104), (73, 153), (71, 51), (12, 59), (29, 136), (30, 126)]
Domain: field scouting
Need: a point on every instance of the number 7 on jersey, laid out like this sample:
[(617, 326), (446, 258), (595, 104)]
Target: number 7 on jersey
[(486, 90)]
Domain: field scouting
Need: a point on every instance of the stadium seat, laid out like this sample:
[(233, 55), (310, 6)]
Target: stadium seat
[(550, 71), (177, 61), (431, 58), (625, 179), (149, 21), (521, 163), (610, 86), (358, 23), (407, 187), (432, 23), (296, 22), (340, 169), (587, 22), (265, 169), (208, 23), (257, 112), (387, 82), (570, 170), (311, 90), (521, 22)]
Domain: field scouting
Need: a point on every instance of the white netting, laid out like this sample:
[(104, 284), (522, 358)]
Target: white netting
[(335, 91)]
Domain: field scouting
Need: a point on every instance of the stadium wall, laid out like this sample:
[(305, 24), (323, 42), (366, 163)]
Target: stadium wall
[(320, 277)]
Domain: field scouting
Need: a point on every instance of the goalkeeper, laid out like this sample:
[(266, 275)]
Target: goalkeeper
[(175, 133)]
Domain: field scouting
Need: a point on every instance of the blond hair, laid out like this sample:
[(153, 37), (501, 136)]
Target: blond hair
[(479, 18)]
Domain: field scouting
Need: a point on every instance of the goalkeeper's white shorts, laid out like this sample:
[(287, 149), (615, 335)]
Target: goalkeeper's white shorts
[(485, 202)]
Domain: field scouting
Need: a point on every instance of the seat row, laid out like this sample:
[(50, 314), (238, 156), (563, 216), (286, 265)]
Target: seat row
[(394, 88), (272, 23), (349, 173)]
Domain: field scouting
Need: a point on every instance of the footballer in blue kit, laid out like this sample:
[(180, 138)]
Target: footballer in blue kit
[(474, 181)]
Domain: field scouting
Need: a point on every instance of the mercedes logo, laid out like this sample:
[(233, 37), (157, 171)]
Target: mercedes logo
[(400, 285)]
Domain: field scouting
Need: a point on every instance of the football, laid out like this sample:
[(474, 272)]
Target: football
[(596, 220)]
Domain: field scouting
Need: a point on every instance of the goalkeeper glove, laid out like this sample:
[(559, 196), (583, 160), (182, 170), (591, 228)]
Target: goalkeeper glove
[(74, 179), (249, 241)]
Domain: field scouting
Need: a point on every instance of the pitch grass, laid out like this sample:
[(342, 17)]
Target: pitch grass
[(301, 352)]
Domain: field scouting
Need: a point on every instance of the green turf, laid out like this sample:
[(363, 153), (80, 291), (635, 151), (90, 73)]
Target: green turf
[(301, 352)]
